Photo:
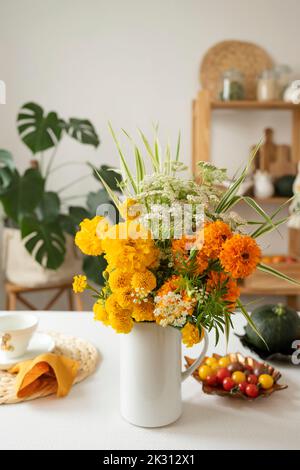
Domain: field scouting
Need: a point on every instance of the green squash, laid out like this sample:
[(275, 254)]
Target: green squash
[(284, 186), (278, 324)]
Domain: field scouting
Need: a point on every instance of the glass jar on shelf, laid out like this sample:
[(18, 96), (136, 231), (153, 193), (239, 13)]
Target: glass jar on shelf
[(232, 86), (267, 86), (283, 76)]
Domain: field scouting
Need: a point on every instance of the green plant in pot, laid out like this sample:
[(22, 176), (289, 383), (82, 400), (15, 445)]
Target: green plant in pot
[(41, 218)]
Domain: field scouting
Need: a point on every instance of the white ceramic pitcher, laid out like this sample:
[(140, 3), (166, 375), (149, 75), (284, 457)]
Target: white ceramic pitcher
[(151, 374)]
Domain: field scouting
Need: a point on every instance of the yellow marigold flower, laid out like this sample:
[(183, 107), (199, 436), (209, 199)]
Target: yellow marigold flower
[(125, 297), (143, 311), (100, 314), (215, 235), (121, 321), (220, 280), (119, 279), (143, 281), (86, 239), (130, 209), (240, 256), (79, 284), (102, 228), (112, 305), (190, 335)]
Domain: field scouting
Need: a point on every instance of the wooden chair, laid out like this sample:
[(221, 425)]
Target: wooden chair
[(15, 293)]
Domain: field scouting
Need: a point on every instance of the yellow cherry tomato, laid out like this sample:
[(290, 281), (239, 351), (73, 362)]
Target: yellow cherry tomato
[(266, 381), (215, 367), (238, 377), (204, 371), (224, 361), (210, 361)]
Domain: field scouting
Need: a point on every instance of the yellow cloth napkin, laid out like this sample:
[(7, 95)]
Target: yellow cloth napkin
[(48, 370)]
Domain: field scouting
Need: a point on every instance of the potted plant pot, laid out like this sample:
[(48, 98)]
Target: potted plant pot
[(21, 268)]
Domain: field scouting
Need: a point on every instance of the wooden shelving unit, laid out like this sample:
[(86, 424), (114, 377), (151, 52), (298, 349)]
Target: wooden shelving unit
[(203, 108)]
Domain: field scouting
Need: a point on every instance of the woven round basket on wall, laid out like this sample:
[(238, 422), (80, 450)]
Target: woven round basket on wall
[(246, 57)]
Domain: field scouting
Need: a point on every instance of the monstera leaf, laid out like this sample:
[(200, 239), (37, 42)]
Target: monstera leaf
[(111, 177), (7, 168), (45, 241), (70, 222), (49, 206), (83, 131), (39, 131), (99, 203), (23, 194), (93, 266)]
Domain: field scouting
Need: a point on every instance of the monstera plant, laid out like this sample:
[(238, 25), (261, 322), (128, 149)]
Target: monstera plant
[(42, 215)]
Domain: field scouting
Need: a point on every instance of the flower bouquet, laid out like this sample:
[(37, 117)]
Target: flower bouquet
[(173, 268)]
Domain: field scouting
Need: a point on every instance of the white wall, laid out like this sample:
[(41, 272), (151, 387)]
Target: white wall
[(134, 62)]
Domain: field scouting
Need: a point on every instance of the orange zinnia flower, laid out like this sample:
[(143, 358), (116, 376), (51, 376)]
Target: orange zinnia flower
[(215, 235), (240, 256), (216, 281)]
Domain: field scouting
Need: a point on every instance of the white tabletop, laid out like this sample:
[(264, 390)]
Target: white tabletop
[(89, 417)]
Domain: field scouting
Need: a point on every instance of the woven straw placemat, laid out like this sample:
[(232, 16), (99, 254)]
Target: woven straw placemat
[(248, 58), (75, 348)]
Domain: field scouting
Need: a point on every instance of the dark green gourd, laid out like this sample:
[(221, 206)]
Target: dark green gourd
[(278, 324)]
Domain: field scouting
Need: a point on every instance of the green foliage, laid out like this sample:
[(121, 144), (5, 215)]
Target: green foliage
[(83, 131), (23, 194), (7, 168), (44, 240), (39, 131), (111, 177), (93, 267), (27, 203)]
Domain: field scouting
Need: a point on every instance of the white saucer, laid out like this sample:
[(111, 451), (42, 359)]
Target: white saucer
[(40, 343)]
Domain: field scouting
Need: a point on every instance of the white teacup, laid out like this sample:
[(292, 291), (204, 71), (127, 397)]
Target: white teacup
[(16, 330)]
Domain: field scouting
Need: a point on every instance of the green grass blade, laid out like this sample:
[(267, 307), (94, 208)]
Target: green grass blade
[(139, 166), (167, 162), (157, 153), (123, 160), (265, 228), (232, 190), (149, 151), (111, 194), (178, 148), (250, 321), (268, 228), (267, 269), (253, 204)]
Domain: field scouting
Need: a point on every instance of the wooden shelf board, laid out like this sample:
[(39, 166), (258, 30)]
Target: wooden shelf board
[(270, 290), (272, 200), (254, 105)]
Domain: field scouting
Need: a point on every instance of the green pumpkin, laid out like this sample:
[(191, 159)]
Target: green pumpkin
[(278, 324), (284, 186)]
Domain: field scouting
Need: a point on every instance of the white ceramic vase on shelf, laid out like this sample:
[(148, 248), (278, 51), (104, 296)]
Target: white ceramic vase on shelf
[(263, 186), (151, 376)]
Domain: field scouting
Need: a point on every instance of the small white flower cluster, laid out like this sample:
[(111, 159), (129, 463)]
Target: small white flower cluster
[(171, 309), (139, 295)]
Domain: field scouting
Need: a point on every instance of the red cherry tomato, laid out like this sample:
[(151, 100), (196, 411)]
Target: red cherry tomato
[(252, 390), (211, 380), (222, 374), (248, 368), (228, 384), (242, 386), (252, 379)]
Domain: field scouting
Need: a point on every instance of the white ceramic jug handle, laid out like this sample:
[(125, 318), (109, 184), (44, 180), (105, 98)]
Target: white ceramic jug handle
[(193, 367)]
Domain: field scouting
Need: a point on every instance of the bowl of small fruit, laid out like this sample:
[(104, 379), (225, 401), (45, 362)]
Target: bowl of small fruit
[(236, 376)]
